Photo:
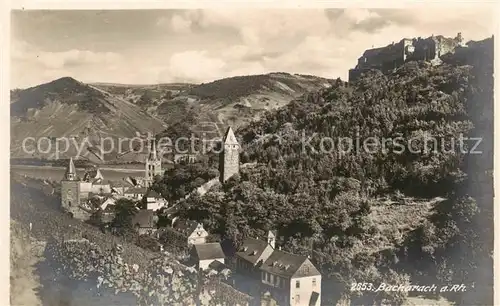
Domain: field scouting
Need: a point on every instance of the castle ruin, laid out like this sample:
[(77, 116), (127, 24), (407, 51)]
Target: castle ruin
[(390, 57)]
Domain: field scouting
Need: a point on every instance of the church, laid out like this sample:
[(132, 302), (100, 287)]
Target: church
[(77, 194)]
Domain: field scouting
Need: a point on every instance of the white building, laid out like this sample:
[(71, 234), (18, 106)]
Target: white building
[(193, 231), (288, 278), (135, 193), (206, 253), (154, 201)]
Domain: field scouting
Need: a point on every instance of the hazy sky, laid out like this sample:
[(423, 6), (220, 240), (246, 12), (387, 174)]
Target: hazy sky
[(153, 46)]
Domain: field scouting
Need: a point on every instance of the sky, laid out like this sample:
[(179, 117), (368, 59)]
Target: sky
[(195, 46)]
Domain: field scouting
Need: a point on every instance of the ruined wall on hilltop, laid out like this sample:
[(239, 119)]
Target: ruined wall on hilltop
[(394, 55)]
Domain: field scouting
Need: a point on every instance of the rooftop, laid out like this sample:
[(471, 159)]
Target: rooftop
[(254, 250), (287, 264), (186, 227), (209, 251)]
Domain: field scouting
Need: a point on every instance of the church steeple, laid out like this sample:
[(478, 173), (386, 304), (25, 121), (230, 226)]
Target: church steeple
[(70, 174), (153, 163), (229, 157), (152, 153)]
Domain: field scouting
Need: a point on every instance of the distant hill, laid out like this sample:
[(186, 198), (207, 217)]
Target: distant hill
[(209, 108), (69, 108), (66, 107)]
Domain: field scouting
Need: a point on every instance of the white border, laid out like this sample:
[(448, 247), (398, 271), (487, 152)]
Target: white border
[(192, 4)]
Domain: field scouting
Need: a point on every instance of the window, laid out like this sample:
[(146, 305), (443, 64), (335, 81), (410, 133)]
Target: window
[(268, 277), (69, 203), (297, 299), (271, 280), (277, 281), (297, 284), (314, 282)]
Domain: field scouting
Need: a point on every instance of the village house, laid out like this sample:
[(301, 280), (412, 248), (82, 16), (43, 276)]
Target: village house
[(119, 187), (135, 193), (193, 232), (205, 254), (252, 252), (154, 201), (288, 278)]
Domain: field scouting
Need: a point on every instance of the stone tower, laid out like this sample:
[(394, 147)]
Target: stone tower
[(229, 162), (70, 189), (153, 163)]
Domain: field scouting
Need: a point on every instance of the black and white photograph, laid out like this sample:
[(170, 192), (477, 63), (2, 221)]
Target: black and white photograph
[(244, 156)]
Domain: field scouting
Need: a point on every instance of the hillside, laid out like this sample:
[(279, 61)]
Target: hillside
[(406, 204), (211, 107), (63, 261), (68, 108)]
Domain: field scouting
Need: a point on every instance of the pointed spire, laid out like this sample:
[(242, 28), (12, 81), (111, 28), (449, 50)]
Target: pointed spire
[(70, 170), (229, 137)]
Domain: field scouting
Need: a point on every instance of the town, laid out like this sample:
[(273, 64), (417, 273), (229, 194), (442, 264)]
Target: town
[(279, 208), (258, 262)]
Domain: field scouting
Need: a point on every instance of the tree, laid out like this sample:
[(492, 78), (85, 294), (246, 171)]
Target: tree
[(125, 210)]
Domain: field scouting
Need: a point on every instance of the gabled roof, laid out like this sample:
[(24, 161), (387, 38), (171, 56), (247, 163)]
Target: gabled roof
[(121, 183), (287, 265), (229, 137), (254, 250), (185, 227), (208, 251)]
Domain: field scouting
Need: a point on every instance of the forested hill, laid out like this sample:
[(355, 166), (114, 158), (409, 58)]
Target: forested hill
[(415, 212)]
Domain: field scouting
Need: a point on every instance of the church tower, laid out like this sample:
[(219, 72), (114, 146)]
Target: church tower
[(229, 158), (70, 188), (153, 163)]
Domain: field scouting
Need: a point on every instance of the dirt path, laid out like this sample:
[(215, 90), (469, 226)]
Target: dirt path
[(25, 253)]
